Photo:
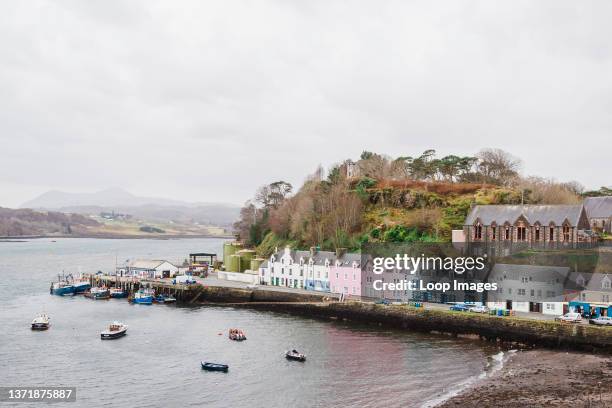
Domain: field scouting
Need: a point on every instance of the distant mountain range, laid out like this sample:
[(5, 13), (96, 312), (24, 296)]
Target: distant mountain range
[(147, 208)]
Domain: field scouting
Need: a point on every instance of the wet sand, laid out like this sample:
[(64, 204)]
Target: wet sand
[(543, 378)]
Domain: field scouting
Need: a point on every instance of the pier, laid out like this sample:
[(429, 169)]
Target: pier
[(206, 292), (182, 292)]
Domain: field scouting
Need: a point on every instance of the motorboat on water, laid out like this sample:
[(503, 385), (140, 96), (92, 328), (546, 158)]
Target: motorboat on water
[(114, 331), (237, 335), (98, 293), (143, 297), (169, 299), (41, 322), (295, 355), (117, 293), (215, 367)]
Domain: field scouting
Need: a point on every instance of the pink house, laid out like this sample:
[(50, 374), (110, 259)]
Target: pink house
[(345, 275)]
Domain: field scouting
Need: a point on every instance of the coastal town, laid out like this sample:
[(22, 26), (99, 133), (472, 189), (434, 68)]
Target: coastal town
[(563, 292)]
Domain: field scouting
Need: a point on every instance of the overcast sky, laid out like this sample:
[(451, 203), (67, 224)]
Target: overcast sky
[(207, 100)]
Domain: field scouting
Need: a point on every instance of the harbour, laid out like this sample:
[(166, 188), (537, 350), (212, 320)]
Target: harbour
[(160, 357)]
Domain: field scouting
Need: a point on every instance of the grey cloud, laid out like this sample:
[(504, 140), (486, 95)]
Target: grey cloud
[(208, 100)]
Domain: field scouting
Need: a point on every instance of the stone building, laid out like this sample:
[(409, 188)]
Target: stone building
[(555, 224), (599, 213)]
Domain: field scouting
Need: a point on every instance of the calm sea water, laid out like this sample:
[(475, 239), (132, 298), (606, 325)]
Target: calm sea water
[(158, 363)]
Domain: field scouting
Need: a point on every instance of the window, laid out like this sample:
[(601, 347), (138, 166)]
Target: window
[(521, 234), (521, 292), (507, 232), (537, 233), (478, 232), (605, 284), (493, 229), (532, 292), (551, 234), (566, 233)]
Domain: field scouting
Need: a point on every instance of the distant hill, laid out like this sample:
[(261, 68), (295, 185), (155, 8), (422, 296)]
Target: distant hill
[(145, 208), (28, 222)]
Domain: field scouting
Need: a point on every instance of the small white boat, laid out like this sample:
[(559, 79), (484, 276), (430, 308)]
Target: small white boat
[(114, 331), (41, 322)]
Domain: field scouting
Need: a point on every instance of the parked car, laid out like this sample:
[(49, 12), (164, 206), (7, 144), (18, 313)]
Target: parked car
[(252, 286), (186, 279), (571, 317), (479, 309), (382, 302), (601, 321), (459, 307)]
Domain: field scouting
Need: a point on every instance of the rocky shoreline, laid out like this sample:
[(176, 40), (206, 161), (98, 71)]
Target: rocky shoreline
[(538, 378)]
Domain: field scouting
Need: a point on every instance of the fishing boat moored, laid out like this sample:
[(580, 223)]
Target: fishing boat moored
[(117, 293), (62, 288), (169, 299), (98, 293), (41, 322), (114, 331), (295, 355), (215, 367), (143, 297), (81, 285)]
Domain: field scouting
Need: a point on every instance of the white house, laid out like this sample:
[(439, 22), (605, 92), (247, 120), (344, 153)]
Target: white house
[(155, 268), (528, 288), (308, 270)]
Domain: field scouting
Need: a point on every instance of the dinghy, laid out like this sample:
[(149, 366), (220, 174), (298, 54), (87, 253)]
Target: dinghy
[(295, 355), (215, 367), (237, 335)]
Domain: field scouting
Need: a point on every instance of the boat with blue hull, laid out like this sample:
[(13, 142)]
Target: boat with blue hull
[(62, 288), (143, 297), (81, 286)]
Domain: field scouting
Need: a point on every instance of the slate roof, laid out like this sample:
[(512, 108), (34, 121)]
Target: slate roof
[(598, 207), (320, 257), (146, 264), (500, 214), (548, 274)]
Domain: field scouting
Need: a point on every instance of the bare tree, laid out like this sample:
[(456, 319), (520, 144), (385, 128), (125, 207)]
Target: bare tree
[(497, 166)]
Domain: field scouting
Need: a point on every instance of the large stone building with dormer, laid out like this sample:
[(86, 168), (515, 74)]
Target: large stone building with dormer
[(544, 224)]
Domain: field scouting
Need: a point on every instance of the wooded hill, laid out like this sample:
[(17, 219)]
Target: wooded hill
[(384, 199), (22, 222)]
